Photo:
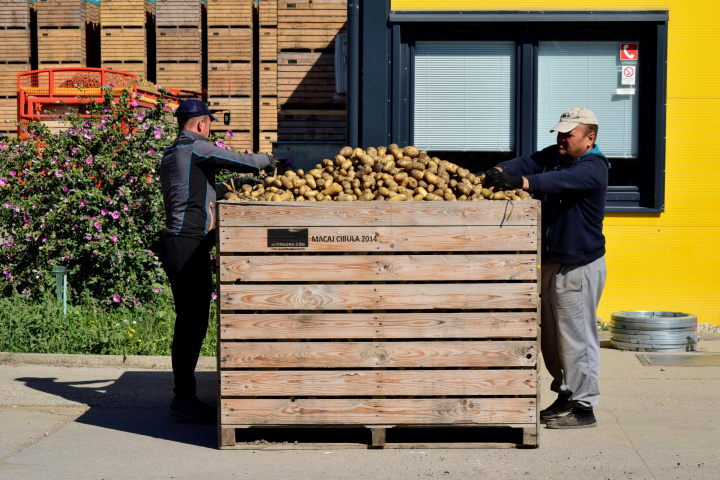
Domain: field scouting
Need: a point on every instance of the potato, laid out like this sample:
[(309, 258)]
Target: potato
[(431, 197), (431, 179), (345, 198), (358, 152), (366, 197), (310, 181), (333, 189), (346, 151), (371, 151), (411, 152)]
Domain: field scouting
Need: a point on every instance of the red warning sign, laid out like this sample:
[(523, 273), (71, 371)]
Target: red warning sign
[(628, 51)]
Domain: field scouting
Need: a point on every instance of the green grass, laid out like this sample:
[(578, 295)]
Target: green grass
[(91, 327)]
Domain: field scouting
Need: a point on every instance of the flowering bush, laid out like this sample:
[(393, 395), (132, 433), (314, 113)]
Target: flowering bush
[(89, 199)]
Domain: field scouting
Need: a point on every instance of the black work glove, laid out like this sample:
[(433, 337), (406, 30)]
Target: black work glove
[(272, 165), (238, 182), (499, 180)]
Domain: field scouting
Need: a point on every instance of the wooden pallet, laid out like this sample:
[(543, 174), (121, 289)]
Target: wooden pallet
[(178, 44), (230, 79), (183, 75), (123, 44), (306, 125), (307, 79), (62, 13), (378, 314), (230, 44), (61, 46), (177, 13), (223, 13), (268, 13), (15, 13), (15, 44), (125, 13)]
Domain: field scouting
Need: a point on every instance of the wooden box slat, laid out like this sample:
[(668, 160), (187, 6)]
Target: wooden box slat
[(368, 214), (268, 44), (268, 13), (241, 116), (15, 45), (15, 13), (348, 383), (267, 105), (221, 13), (186, 75), (328, 125), (61, 13), (124, 13), (387, 239), (438, 411), (8, 77), (405, 354), (230, 79), (176, 13), (178, 44), (139, 68), (330, 326), (363, 268), (426, 296), (61, 45), (123, 44)]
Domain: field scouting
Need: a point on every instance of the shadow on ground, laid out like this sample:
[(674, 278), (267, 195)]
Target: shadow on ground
[(136, 402)]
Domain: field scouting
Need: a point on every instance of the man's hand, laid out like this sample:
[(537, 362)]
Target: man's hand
[(236, 183), (499, 180), (272, 165)]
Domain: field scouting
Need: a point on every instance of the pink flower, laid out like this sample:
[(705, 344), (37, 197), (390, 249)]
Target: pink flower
[(65, 189), (59, 173), (220, 143), (214, 296), (104, 211), (114, 239), (12, 173), (88, 236), (68, 256), (158, 132), (89, 160), (229, 134), (110, 202), (3, 181), (134, 103), (9, 243), (97, 225), (83, 203), (125, 207), (115, 214), (116, 298), (8, 204)]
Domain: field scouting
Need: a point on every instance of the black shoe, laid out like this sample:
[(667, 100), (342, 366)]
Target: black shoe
[(193, 410), (578, 418), (559, 407)]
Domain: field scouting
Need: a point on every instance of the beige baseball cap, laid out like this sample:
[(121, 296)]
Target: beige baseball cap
[(573, 117)]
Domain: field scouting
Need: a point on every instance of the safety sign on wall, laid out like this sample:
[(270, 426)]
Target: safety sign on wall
[(628, 51), (628, 75)]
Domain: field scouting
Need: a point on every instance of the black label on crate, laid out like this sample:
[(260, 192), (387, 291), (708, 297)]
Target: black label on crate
[(287, 238)]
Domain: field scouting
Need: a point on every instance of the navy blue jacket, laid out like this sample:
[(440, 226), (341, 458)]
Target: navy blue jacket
[(573, 202), (187, 178)]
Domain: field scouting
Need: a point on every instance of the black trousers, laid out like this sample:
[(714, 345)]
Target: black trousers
[(187, 264)]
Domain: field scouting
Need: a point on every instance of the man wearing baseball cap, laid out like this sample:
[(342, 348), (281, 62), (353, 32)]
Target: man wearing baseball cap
[(571, 179), (187, 178)]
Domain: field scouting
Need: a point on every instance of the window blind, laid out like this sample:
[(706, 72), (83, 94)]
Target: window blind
[(464, 96), (587, 74)]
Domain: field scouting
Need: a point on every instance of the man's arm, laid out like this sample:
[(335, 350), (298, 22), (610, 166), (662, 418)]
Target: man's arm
[(587, 175), (237, 162)]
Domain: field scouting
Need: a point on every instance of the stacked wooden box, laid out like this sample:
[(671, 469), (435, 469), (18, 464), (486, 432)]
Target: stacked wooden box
[(61, 33), (267, 74), (378, 315), (15, 45), (230, 68), (123, 35), (178, 41), (310, 109)]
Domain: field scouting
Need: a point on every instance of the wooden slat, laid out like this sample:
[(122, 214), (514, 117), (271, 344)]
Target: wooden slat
[(268, 44), (378, 354), (223, 13), (347, 383), (187, 76), (240, 116), (362, 268), (266, 139), (378, 411), (15, 13), (385, 239), (357, 214), (138, 68), (123, 44), (230, 79), (178, 44), (267, 105), (61, 45), (61, 13), (299, 326), (123, 13), (268, 13), (175, 13), (15, 45), (227, 44), (427, 296), (8, 111), (8, 77)]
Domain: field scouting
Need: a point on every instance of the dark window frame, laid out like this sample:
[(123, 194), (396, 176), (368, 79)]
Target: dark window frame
[(527, 29)]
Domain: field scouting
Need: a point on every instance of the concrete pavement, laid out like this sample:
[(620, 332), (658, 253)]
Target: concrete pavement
[(93, 421)]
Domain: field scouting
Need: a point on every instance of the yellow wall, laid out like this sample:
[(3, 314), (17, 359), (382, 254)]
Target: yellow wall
[(668, 261)]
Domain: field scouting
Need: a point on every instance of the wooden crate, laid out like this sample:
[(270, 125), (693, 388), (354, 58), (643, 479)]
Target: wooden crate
[(15, 44), (183, 75), (378, 315), (61, 13), (123, 44), (310, 25), (177, 13), (8, 77), (268, 45), (307, 79), (61, 47), (93, 13), (266, 139), (241, 140), (8, 113), (307, 125), (178, 44), (230, 44), (267, 76), (268, 13), (268, 114), (124, 13), (223, 13), (230, 79), (241, 114), (15, 13)]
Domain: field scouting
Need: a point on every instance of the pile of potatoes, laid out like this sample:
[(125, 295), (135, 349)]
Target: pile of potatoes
[(384, 173)]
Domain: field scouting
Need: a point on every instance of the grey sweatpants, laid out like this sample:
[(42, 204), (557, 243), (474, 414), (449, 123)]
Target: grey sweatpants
[(570, 343)]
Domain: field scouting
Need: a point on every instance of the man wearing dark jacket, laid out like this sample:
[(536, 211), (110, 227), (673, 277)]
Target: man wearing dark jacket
[(571, 179), (187, 178)]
